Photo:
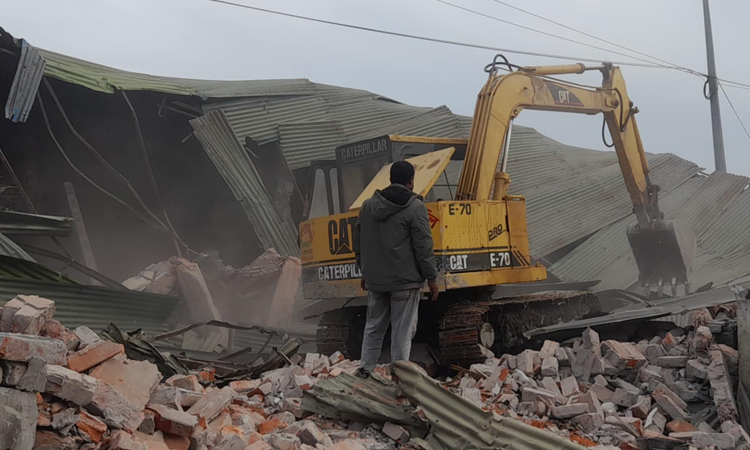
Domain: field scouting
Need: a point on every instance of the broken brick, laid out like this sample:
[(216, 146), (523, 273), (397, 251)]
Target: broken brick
[(69, 385), (20, 347), (562, 357), (116, 410), (172, 421), (89, 357), (86, 336), (680, 426), (212, 403), (549, 348), (669, 402), (696, 370), (550, 367), (674, 362), (26, 314), (625, 398), (189, 382), (336, 358), (243, 386), (654, 352), (271, 425), (135, 380), (588, 422), (583, 364), (569, 386), (572, 410), (721, 385), (591, 341), (623, 355), (92, 426)]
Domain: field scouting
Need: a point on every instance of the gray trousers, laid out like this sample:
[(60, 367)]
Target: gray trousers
[(399, 308)]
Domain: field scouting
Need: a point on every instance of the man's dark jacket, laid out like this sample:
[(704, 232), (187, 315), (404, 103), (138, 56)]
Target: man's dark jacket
[(393, 241)]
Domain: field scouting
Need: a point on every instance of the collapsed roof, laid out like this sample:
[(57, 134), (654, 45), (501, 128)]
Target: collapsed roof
[(578, 208)]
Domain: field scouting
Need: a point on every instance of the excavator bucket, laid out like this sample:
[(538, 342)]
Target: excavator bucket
[(664, 255)]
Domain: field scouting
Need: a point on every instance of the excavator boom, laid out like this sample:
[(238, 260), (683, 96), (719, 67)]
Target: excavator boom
[(663, 250)]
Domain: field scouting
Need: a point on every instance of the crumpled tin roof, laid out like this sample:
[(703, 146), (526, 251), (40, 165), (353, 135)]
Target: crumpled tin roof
[(715, 207), (106, 79)]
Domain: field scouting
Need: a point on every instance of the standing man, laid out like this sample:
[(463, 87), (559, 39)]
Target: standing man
[(393, 247)]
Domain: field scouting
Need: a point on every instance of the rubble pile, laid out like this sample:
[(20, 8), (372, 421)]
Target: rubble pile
[(70, 389), (678, 389), (65, 390)]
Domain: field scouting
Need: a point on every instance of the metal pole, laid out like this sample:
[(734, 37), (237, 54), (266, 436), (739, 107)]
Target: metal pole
[(720, 163)]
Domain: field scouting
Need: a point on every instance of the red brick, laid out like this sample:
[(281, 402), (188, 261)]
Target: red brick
[(680, 426), (93, 356), (92, 426), (172, 421), (243, 386), (271, 425), (189, 382), (55, 330), (19, 347)]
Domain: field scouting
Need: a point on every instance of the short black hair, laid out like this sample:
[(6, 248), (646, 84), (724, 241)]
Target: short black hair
[(402, 172)]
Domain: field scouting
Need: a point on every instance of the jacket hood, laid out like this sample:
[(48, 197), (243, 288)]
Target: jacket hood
[(391, 200)]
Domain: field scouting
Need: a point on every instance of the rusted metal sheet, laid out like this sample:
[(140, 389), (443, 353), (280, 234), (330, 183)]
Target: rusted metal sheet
[(25, 83)]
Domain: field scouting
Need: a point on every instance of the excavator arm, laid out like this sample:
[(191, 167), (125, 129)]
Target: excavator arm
[(663, 250)]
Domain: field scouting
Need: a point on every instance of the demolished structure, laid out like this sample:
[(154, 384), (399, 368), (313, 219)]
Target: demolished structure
[(68, 389)]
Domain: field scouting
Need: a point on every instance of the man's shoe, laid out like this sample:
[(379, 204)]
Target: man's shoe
[(362, 373)]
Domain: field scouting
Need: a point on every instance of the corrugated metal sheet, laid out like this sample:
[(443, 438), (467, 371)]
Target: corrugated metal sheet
[(25, 84), (96, 307), (303, 142), (606, 255), (106, 79), (639, 312), (13, 222), (10, 248), (456, 423), (237, 168)]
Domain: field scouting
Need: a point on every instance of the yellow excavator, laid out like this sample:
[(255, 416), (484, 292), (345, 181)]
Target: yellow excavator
[(479, 230)]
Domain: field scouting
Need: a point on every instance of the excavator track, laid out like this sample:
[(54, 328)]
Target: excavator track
[(342, 330), (498, 325), (467, 328)]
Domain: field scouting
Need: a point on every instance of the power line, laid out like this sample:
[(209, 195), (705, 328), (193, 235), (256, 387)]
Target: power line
[(553, 35), (735, 111), (589, 34), (476, 46), (429, 39)]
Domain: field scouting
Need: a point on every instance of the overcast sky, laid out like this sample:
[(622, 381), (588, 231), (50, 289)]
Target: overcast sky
[(202, 39)]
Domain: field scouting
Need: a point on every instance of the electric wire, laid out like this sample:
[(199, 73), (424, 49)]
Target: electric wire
[(98, 155), (728, 83), (145, 219), (567, 27), (436, 40), (736, 114), (507, 22)]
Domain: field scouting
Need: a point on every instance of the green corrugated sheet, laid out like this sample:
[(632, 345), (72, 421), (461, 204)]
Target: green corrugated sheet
[(106, 79), (92, 306)]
